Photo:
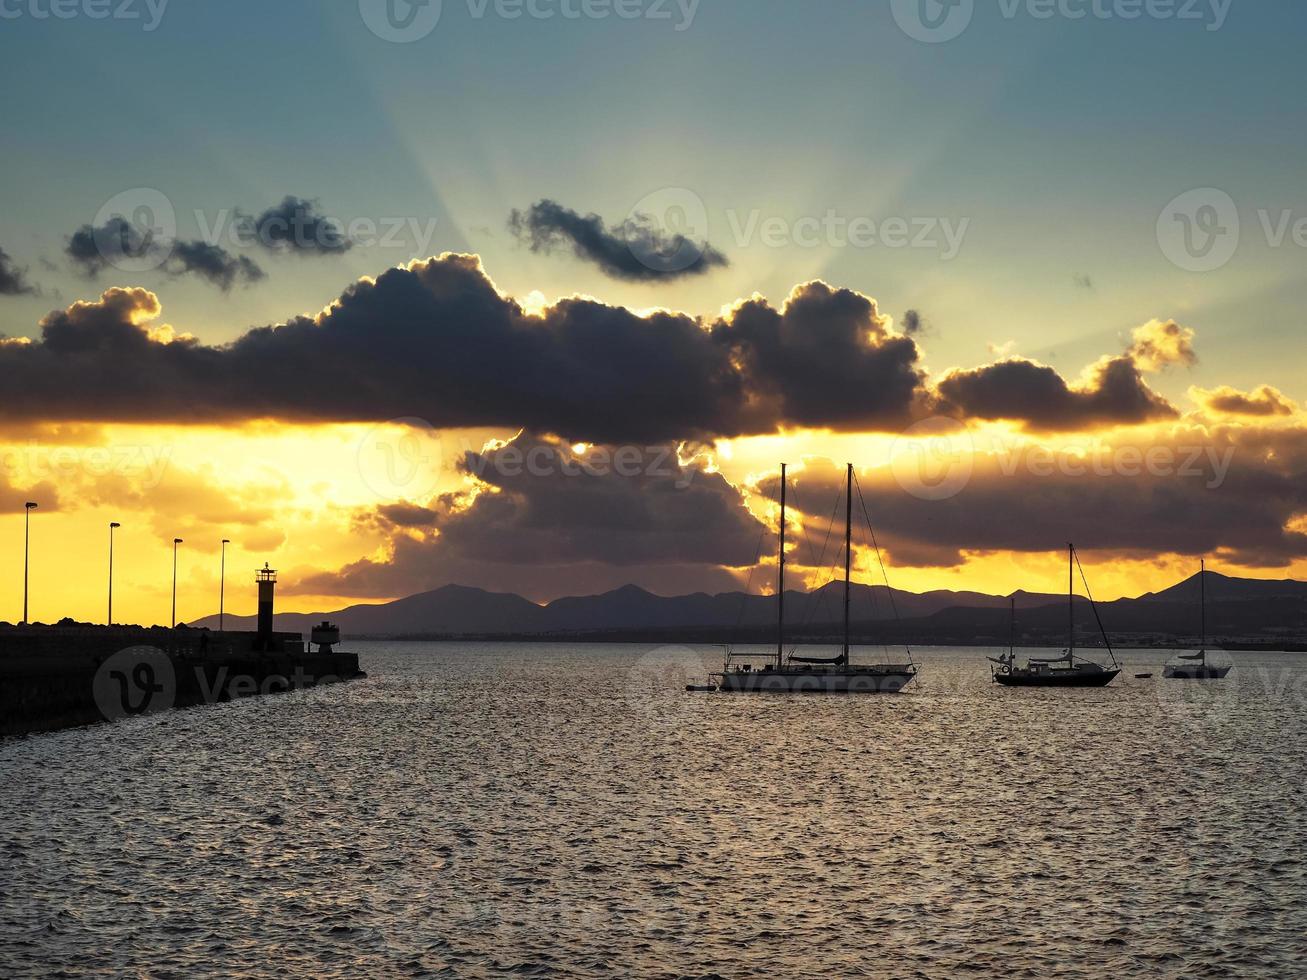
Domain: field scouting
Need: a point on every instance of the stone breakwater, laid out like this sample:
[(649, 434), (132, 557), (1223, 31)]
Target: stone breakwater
[(66, 676)]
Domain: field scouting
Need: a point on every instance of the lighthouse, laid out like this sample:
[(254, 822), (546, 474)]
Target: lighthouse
[(267, 580)]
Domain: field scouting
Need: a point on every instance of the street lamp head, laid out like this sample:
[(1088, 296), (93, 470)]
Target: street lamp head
[(113, 524), (178, 541), (31, 506), (225, 541)]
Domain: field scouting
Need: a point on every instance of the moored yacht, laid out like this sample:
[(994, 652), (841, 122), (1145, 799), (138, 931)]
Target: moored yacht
[(1068, 670), (792, 674), (1197, 666)]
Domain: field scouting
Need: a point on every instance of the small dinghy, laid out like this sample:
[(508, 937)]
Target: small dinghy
[(701, 688)]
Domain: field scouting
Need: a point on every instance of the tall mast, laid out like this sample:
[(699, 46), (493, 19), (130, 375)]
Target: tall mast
[(780, 581), (1012, 628), (1071, 602), (848, 560), (1202, 584)]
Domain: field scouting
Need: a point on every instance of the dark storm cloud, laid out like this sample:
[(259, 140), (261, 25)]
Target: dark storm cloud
[(1264, 402), (618, 505), (1115, 392), (13, 280), (435, 340), (826, 359), (212, 263), (635, 250), (547, 513), (296, 225), (404, 516), (913, 323), (1230, 492), (1024, 391), (93, 250)]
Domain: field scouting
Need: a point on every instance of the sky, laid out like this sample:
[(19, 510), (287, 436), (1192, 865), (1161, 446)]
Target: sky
[(1033, 267)]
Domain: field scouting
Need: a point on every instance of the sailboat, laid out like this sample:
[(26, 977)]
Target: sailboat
[(1067, 670), (813, 675), (1195, 666)]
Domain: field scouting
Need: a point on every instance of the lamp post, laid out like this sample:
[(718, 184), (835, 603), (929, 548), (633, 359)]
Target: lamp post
[(113, 526), (222, 584), (27, 537), (175, 543)]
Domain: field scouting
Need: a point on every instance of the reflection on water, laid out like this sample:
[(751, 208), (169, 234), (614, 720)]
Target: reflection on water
[(570, 811)]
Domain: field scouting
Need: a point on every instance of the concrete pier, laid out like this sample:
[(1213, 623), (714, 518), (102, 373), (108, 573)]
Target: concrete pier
[(54, 677)]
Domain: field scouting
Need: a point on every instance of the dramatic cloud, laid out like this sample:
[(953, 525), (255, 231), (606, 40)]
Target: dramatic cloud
[(1113, 392), (635, 250), (13, 280), (913, 323), (615, 513), (618, 505), (1264, 402), (92, 250), (1032, 393), (825, 359), (436, 341), (213, 263), (1234, 493), (1159, 344), (296, 225)]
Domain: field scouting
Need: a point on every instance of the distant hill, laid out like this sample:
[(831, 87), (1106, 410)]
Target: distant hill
[(459, 610), (453, 609), (1223, 588), (1252, 610)]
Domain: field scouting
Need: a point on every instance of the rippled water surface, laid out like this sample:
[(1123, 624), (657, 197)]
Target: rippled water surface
[(571, 812)]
